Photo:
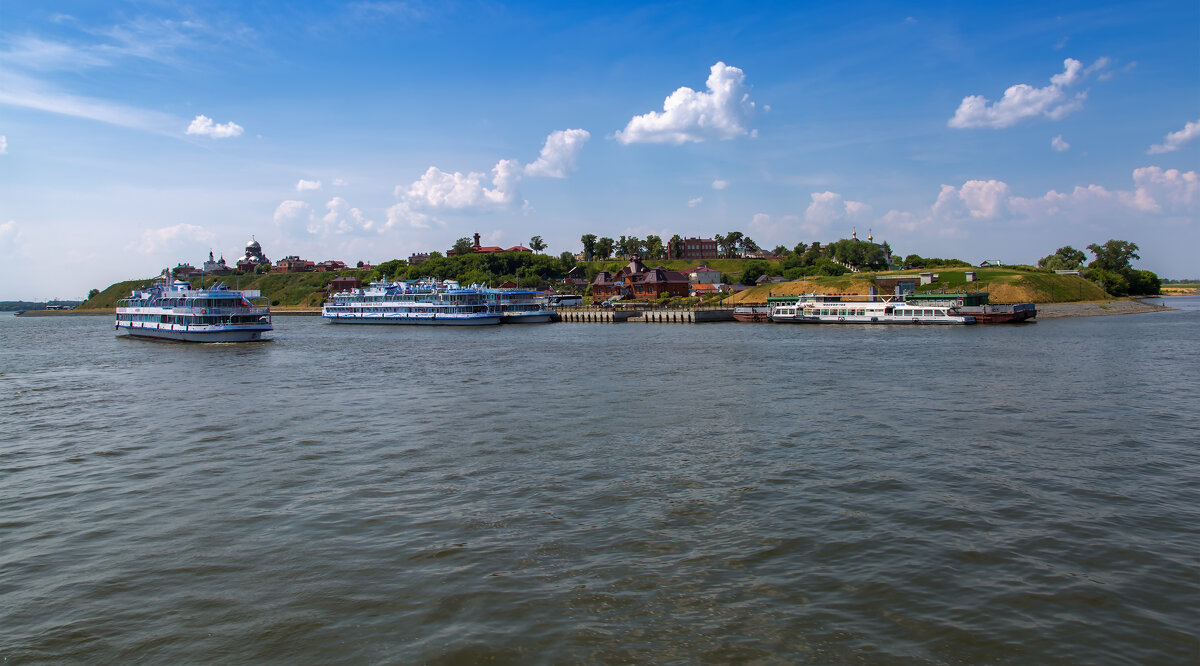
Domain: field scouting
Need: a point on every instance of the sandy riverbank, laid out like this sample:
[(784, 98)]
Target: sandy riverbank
[(1097, 308)]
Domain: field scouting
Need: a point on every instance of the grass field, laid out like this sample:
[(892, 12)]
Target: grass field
[(1005, 285)]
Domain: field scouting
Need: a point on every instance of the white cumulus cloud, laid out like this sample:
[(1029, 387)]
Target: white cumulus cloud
[(723, 112), (440, 189), (3, 145), (179, 236), (1058, 145), (308, 185), (692, 203), (204, 126), (560, 154), (1156, 193), (829, 208), (1171, 190), (719, 184), (1175, 140), (1024, 101), (295, 217)]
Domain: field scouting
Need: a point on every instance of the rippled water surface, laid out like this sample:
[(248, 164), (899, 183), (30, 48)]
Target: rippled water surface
[(598, 493)]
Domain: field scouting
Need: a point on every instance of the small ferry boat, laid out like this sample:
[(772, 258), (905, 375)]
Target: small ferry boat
[(976, 305), (427, 303), (519, 307), (174, 311), (863, 309)]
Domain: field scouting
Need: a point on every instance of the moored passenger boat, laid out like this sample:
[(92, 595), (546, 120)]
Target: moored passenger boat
[(859, 309), (519, 307), (976, 304), (175, 311), (424, 303)]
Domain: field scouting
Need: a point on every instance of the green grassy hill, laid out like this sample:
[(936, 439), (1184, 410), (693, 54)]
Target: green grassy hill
[(282, 289), (1005, 285)]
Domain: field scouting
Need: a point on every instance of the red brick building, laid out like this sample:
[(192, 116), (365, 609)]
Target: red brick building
[(638, 282), (700, 248)]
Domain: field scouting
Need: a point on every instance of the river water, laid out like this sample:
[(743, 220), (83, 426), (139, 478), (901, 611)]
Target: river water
[(599, 493)]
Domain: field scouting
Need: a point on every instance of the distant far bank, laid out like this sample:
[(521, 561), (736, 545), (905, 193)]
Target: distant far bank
[(305, 292)]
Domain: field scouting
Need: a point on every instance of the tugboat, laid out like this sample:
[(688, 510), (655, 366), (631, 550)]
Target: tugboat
[(174, 311)]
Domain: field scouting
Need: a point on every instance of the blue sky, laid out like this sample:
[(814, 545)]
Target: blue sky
[(135, 135)]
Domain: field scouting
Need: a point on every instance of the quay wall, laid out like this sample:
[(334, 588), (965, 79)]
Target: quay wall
[(665, 316)]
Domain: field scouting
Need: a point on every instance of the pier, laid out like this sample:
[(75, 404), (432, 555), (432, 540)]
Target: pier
[(646, 316)]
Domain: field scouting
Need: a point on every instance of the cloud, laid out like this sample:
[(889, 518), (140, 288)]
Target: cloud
[(1156, 192), (204, 126), (720, 184), (437, 189), (340, 182), (20, 91), (1024, 101), (295, 217), (308, 185), (1175, 140), (721, 113), (3, 145), (1166, 191), (180, 236), (1058, 145), (828, 208), (342, 218), (692, 203), (402, 215), (560, 154), (9, 232)]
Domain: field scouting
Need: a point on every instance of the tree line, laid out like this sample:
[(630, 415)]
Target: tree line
[(1112, 269)]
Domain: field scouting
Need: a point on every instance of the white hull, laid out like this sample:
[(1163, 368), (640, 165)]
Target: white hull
[(195, 334), (876, 319), (528, 318), (417, 320)]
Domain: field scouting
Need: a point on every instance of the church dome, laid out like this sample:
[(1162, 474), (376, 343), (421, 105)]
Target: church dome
[(253, 244)]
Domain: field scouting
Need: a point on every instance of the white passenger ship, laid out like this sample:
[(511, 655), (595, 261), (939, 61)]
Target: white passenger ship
[(857, 309), (425, 303), (175, 311), (519, 307)]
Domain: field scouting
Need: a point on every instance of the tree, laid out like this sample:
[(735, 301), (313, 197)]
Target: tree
[(589, 246), (675, 247), (537, 244), (93, 293), (733, 241), (654, 247), (604, 247), (463, 246), (781, 251), (752, 270), (1115, 256), (1064, 258)]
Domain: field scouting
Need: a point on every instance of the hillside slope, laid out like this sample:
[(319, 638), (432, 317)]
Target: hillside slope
[(1005, 285)]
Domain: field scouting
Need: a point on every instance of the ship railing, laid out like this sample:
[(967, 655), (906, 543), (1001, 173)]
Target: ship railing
[(238, 310)]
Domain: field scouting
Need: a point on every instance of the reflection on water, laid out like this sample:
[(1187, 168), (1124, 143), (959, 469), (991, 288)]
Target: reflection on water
[(603, 493)]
